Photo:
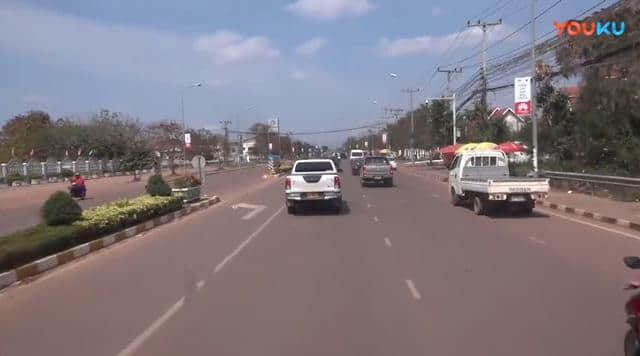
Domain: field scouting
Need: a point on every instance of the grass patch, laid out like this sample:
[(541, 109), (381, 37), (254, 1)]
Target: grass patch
[(42, 240)]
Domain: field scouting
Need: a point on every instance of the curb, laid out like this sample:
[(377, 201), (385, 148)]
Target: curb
[(46, 263), (590, 215)]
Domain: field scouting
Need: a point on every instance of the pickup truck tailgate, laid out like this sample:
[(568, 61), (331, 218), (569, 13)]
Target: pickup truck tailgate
[(312, 182)]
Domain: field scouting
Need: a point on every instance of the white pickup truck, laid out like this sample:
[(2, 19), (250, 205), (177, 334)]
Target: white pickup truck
[(483, 178), (313, 181)]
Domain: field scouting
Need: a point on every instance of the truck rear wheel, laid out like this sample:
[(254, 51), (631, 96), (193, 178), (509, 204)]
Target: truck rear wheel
[(528, 208), (479, 206)]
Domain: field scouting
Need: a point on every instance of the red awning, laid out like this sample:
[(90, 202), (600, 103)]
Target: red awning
[(511, 147)]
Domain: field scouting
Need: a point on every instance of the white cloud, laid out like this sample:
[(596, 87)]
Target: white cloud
[(312, 46), (330, 9), (298, 75), (110, 50), (437, 11), (470, 37), (228, 47)]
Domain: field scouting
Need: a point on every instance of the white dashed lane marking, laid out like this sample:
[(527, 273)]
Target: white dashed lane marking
[(412, 288), (387, 242)]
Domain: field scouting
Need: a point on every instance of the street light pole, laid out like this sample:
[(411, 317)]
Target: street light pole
[(184, 127), (452, 98), (411, 91)]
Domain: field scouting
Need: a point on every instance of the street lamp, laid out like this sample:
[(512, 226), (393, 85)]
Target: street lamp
[(184, 128), (241, 148), (393, 75), (453, 109)]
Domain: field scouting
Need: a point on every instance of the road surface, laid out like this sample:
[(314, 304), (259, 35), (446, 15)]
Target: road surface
[(400, 272), (20, 206)]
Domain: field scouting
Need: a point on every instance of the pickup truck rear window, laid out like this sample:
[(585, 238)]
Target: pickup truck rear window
[(376, 161), (356, 154), (303, 167)]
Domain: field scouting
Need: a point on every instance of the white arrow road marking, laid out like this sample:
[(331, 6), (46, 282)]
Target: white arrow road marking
[(256, 209)]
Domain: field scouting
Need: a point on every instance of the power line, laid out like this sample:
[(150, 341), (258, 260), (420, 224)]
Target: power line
[(509, 35)]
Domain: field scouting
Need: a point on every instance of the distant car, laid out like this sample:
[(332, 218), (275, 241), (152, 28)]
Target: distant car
[(313, 181), (356, 158), (376, 169)]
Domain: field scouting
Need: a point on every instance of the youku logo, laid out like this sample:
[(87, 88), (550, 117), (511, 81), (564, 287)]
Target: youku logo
[(575, 28)]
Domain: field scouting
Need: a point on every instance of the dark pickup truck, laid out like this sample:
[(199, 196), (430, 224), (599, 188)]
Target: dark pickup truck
[(376, 169)]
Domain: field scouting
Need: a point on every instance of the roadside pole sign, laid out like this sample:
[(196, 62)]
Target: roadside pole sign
[(187, 140), (522, 89), (384, 138)]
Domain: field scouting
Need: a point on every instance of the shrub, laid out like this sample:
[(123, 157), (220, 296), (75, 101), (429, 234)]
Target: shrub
[(42, 240), (13, 177), (39, 241), (157, 186), (60, 209), (66, 173), (35, 176), (187, 182)]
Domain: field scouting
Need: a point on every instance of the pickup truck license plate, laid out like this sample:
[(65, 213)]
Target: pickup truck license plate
[(314, 196), (517, 198), (377, 177)]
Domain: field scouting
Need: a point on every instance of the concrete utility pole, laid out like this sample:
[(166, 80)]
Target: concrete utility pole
[(534, 121), (484, 26), (450, 73), (411, 91), (225, 148)]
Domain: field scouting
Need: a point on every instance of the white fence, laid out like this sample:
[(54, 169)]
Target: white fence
[(55, 168)]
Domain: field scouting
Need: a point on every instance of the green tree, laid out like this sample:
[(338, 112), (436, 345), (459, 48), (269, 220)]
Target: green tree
[(24, 134), (139, 156)]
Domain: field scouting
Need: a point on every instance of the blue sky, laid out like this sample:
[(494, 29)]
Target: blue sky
[(316, 64)]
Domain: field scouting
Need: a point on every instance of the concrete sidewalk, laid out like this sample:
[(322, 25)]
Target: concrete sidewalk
[(625, 214)]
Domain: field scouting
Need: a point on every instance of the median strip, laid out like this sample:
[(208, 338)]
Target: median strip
[(46, 263)]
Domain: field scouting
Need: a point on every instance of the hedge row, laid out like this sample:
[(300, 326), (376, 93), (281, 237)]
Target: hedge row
[(42, 240)]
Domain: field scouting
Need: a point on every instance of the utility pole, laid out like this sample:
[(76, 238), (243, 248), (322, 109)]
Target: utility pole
[(279, 144), (225, 148), (534, 121), (450, 73), (411, 91), (485, 27)]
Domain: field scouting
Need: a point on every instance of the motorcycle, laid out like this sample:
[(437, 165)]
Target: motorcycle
[(632, 309), (77, 191)]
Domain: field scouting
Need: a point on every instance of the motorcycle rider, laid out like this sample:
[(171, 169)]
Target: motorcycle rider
[(78, 187)]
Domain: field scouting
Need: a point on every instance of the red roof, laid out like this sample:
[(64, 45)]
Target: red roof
[(571, 92)]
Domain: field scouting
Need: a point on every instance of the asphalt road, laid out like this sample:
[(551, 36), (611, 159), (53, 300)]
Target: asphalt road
[(399, 272), (19, 207)]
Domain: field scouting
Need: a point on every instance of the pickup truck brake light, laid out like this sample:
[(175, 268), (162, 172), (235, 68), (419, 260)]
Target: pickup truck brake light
[(287, 183), (336, 182)]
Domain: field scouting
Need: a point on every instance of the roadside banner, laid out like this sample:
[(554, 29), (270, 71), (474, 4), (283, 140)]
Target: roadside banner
[(522, 91)]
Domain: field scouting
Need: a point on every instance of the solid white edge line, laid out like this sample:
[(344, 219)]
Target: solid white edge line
[(412, 288), (635, 237), (140, 339), (244, 243)]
